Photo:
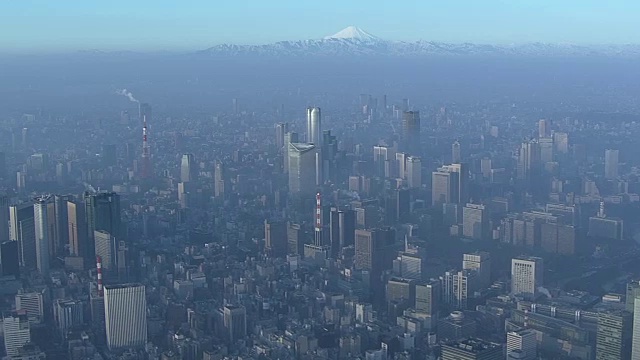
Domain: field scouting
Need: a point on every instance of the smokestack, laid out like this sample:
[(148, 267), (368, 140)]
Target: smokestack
[(99, 267)]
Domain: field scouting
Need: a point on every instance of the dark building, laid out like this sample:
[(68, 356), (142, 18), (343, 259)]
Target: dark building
[(102, 212), (342, 229), (276, 239), (411, 131), (9, 260)]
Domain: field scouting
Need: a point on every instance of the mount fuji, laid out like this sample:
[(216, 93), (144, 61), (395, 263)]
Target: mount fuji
[(353, 41)]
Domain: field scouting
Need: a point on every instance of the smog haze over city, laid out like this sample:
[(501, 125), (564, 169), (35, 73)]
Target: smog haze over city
[(308, 180)]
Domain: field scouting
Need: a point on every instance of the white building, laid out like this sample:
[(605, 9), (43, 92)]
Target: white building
[(526, 276), (414, 172), (524, 342), (17, 332), (314, 126), (42, 232), (125, 311)]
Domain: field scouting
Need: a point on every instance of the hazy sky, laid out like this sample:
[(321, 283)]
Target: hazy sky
[(60, 25)]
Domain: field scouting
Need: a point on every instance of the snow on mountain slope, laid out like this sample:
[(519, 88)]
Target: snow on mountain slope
[(353, 41)]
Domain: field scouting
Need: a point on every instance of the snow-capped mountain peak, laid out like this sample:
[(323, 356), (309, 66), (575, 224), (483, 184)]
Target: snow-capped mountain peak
[(353, 33)]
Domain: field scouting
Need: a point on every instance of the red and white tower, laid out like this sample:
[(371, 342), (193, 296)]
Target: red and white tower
[(99, 267), (318, 221), (145, 171)]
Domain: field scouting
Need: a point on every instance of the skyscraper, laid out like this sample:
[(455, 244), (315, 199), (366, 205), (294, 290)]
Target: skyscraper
[(102, 211), (42, 233), (76, 226), (302, 168), (314, 127), (4, 218), (188, 168), (526, 276), (107, 248), (22, 230), (427, 296), (411, 131), (475, 222), (68, 315), (235, 322), (289, 137), (528, 160), (543, 128), (456, 155), (373, 250), (275, 235), (281, 130), (9, 259), (610, 164), (62, 222), (414, 172), (480, 262), (125, 309), (450, 184), (635, 349), (613, 338), (219, 186), (17, 332)]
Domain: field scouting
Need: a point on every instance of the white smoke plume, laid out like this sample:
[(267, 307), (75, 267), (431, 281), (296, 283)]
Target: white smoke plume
[(127, 93), (544, 291)]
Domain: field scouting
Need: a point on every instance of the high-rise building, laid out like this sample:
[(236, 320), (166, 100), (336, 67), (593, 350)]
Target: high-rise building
[(9, 259), (614, 338), (561, 142), (526, 276), (523, 342), (219, 186), (635, 301), (528, 160), (102, 211), (275, 236), (17, 332), (32, 303), (61, 222), (411, 131), (342, 229), (42, 232), (107, 248), (235, 322), (401, 159), (22, 230), (475, 222), (4, 217), (289, 137), (456, 154), (543, 128), (76, 225), (458, 286), (68, 314), (610, 164), (294, 242), (125, 309), (603, 226), (414, 172), (281, 130), (314, 127), (373, 250), (472, 349), (427, 297), (188, 168), (302, 168), (480, 262), (450, 184)]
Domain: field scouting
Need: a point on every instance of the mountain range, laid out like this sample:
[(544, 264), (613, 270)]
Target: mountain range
[(353, 41)]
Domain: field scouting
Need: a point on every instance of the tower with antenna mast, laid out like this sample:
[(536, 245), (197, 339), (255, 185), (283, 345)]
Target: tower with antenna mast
[(145, 169)]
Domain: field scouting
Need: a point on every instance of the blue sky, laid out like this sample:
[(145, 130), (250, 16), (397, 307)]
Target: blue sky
[(61, 25)]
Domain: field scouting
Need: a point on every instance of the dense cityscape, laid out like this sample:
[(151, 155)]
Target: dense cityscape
[(344, 215)]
